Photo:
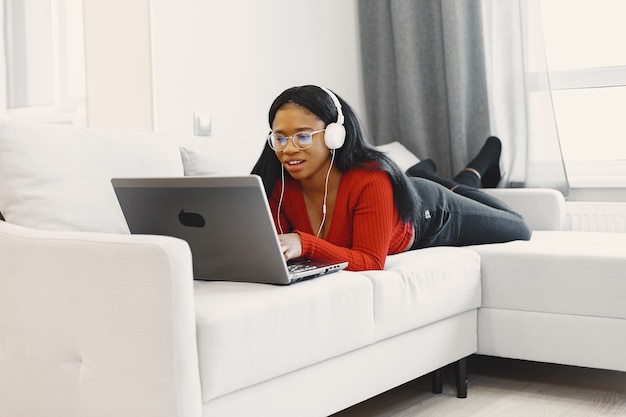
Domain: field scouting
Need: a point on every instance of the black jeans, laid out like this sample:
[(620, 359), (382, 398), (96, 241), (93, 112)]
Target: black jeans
[(465, 216)]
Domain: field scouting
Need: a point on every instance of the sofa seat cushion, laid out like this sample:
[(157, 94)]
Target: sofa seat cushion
[(248, 333), (578, 273), (423, 286)]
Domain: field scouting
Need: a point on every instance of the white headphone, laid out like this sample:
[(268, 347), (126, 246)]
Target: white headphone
[(335, 134)]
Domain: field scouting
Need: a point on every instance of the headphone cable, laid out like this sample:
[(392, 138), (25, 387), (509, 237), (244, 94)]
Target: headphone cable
[(280, 201), (330, 167)]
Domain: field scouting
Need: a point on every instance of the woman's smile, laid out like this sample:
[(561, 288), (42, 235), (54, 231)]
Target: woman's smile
[(293, 164)]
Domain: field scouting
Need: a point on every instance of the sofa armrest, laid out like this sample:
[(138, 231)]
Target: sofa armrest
[(542, 208), (96, 324)]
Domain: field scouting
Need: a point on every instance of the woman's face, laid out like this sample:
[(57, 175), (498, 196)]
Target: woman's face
[(301, 164)]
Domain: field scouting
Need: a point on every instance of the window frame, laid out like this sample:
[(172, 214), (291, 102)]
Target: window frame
[(592, 173), (609, 173), (68, 101)]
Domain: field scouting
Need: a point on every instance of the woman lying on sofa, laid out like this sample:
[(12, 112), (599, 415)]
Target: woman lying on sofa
[(344, 200)]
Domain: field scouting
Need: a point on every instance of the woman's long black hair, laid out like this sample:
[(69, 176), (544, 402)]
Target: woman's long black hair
[(355, 152)]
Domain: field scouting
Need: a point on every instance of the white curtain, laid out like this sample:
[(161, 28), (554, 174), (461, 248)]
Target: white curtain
[(520, 100)]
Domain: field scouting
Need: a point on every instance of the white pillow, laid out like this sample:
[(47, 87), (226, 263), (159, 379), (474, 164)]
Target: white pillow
[(56, 177), (210, 156), (404, 158)]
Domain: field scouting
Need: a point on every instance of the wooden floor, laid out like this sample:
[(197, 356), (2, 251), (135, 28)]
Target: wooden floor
[(504, 387)]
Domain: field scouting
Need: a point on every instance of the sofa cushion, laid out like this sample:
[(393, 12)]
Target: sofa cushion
[(57, 177), (399, 154), (210, 156), (577, 273), (248, 333), (423, 286)]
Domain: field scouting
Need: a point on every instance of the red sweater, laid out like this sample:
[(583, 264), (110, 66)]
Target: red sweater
[(365, 224)]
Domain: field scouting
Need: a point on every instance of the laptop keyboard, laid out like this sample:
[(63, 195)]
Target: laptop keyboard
[(300, 267)]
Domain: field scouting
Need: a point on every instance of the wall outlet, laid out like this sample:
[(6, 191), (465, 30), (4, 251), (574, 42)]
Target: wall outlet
[(201, 124)]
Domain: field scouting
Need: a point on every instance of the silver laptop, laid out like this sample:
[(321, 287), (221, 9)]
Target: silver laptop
[(225, 220)]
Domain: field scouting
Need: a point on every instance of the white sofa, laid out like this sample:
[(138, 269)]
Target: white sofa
[(97, 322), (560, 298)]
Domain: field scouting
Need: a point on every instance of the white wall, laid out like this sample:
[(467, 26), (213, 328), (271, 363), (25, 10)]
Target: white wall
[(232, 58)]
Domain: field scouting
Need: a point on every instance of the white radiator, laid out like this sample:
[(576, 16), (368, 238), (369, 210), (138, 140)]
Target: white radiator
[(595, 217)]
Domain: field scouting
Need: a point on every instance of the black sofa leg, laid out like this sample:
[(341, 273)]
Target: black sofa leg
[(460, 375), (437, 384)]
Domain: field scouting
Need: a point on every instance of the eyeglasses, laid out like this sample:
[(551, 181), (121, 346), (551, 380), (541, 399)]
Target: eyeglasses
[(301, 140)]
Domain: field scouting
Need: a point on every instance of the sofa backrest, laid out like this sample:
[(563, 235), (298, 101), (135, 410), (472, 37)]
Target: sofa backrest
[(542, 208), (56, 177)]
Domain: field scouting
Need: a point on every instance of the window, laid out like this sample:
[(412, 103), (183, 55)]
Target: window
[(587, 62), (45, 76)]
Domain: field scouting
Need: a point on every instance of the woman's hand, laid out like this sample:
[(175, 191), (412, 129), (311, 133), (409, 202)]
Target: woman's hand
[(291, 245)]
